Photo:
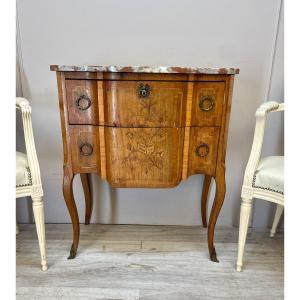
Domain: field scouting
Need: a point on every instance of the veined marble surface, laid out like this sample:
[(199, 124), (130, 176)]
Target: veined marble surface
[(144, 69)]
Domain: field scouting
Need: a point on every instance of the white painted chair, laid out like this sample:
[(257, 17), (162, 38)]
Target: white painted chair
[(264, 178), (28, 179)]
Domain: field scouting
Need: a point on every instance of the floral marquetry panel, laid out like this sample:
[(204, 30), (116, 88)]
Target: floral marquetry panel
[(144, 103), (144, 157)]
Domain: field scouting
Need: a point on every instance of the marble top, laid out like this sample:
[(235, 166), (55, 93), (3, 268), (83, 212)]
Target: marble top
[(144, 69)]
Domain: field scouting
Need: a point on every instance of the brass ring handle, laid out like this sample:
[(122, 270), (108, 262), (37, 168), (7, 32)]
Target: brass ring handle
[(202, 150), (144, 90), (86, 149), (207, 103), (83, 102)]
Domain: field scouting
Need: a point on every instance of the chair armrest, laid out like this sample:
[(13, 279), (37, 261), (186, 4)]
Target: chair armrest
[(261, 116), (267, 107), (24, 106), (22, 103)]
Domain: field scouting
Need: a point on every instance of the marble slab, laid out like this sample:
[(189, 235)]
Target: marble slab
[(145, 69)]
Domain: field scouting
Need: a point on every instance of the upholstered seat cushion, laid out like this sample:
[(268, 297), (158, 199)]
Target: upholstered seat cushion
[(23, 175), (269, 174)]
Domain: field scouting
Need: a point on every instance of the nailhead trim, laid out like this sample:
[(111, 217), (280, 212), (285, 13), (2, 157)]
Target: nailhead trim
[(29, 177), (263, 188)]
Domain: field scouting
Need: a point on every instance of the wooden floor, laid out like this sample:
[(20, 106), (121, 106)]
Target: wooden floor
[(148, 262)]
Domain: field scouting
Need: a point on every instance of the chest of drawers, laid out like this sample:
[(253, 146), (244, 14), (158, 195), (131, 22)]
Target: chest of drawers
[(144, 127)]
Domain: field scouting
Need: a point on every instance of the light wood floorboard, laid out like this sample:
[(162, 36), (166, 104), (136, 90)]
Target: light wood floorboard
[(148, 262)]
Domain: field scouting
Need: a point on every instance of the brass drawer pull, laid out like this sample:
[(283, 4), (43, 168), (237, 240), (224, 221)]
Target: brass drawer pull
[(144, 90), (207, 103), (86, 149), (83, 102), (202, 150)]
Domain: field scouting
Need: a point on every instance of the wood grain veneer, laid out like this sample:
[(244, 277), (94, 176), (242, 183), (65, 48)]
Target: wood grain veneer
[(137, 128), (144, 157)]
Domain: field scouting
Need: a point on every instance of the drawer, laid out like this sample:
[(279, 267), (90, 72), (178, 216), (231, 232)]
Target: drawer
[(203, 150), (85, 153), (82, 102), (208, 103), (144, 103), (144, 157)]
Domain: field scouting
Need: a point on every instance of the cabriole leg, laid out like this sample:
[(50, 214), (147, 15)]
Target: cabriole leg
[(70, 202), (206, 185), (38, 212), (244, 223), (217, 205), (87, 196)]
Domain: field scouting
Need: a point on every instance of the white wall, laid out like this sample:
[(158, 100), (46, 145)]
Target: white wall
[(273, 141), (134, 32)]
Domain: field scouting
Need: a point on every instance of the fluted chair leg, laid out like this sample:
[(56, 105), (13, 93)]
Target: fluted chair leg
[(244, 223), (38, 211), (278, 214)]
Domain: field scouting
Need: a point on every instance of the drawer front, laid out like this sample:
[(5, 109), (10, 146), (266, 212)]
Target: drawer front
[(84, 141), (82, 102), (208, 103), (144, 157), (144, 103), (203, 150)]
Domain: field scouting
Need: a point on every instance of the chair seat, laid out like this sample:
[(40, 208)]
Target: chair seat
[(269, 174), (23, 175)]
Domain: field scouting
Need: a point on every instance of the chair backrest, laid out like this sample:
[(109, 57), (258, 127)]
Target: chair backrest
[(24, 106), (261, 116)]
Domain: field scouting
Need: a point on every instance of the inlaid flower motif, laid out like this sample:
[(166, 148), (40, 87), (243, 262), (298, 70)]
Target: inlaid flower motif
[(145, 150)]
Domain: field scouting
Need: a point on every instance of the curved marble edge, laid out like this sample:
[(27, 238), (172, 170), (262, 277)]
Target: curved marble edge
[(144, 69)]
